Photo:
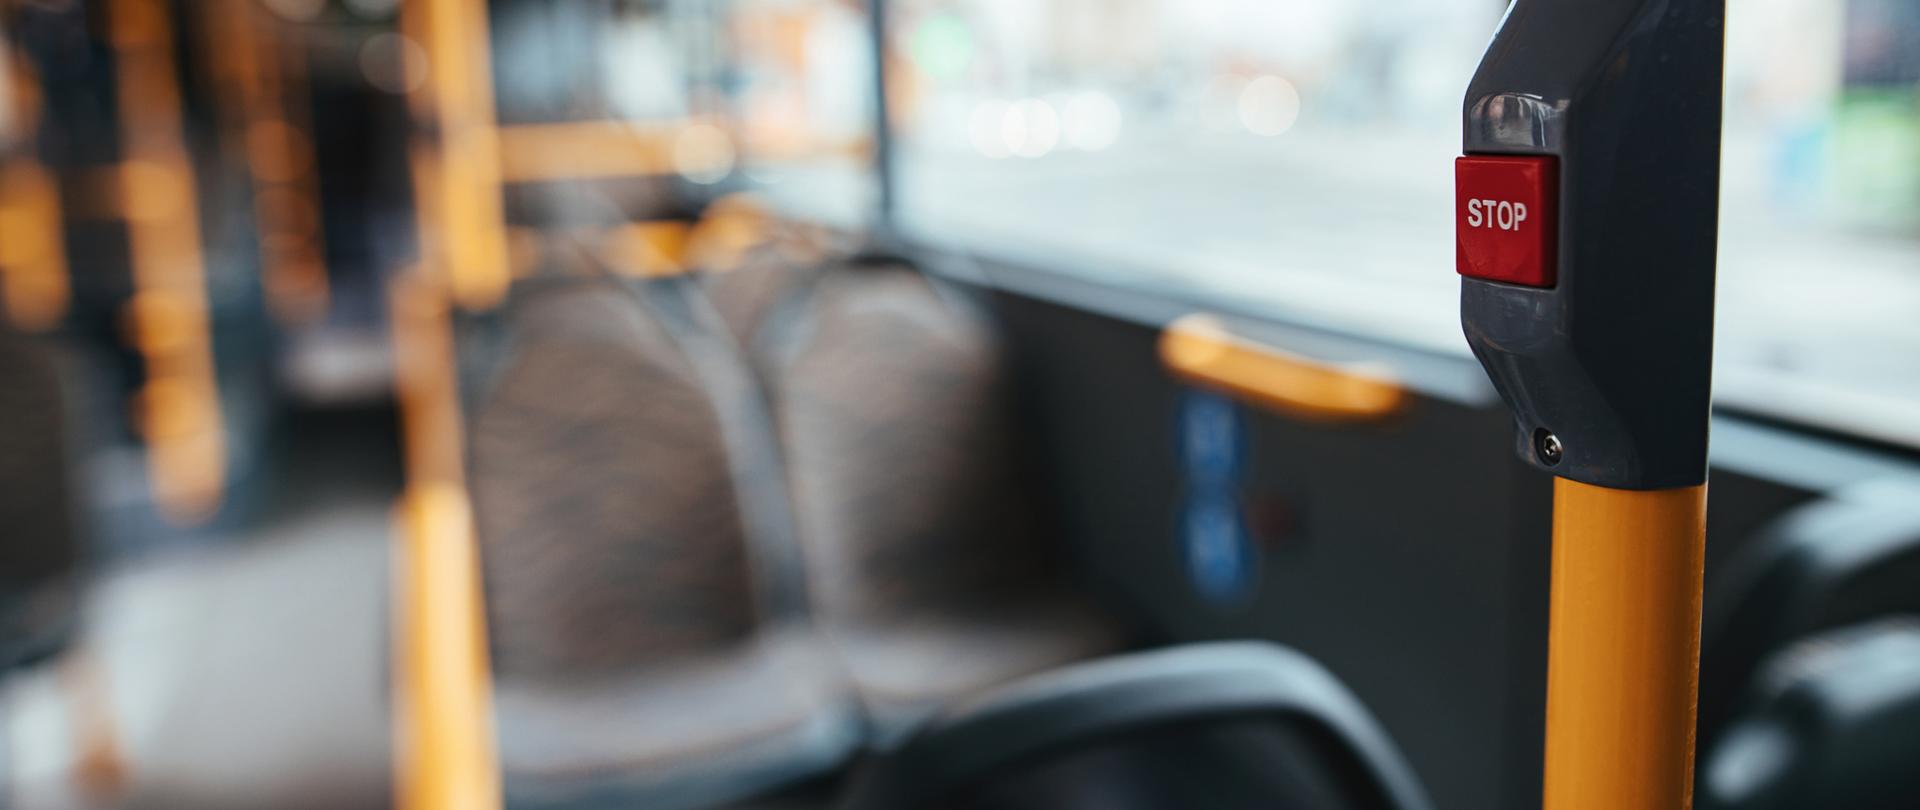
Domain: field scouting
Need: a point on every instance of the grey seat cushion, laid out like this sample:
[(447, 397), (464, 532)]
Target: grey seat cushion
[(688, 732), (913, 666)]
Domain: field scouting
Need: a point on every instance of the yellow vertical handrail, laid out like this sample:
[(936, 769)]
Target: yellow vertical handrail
[(444, 736), (425, 381), (457, 177), (1623, 646), (262, 80), (444, 743), (179, 407), (33, 258)]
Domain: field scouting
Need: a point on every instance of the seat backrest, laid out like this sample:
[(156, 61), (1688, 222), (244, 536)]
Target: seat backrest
[(1833, 721), (608, 521), (1827, 564), (891, 395), (39, 537)]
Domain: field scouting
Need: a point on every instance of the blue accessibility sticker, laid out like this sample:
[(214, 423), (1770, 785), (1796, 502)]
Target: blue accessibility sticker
[(1213, 534), (1220, 560), (1210, 446)]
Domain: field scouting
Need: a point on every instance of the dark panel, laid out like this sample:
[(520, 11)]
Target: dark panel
[(1409, 556)]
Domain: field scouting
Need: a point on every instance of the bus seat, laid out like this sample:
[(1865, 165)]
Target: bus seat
[(39, 540), (1226, 725), (927, 565), (746, 295), (1834, 721), (1830, 563), (640, 650)]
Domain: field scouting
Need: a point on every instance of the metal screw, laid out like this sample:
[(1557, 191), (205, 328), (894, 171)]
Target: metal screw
[(1549, 448)]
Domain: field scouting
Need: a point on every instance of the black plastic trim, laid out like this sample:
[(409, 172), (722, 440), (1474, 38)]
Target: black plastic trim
[(1615, 360), (1108, 697)]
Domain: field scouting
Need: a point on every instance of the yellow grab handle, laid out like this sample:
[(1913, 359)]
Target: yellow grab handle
[(1623, 653), (1200, 350)]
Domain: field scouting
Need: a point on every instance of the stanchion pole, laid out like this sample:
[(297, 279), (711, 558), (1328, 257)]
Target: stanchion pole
[(1623, 646), (1587, 218)]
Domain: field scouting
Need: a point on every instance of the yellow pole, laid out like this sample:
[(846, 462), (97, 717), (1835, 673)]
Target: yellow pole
[(33, 253), (33, 258), (180, 404), (457, 175), (444, 735), (1623, 647), (262, 76), (444, 749)]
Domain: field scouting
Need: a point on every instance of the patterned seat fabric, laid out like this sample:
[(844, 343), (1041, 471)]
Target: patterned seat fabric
[(747, 296), (925, 561), (638, 661), (609, 532), (39, 544), (690, 732), (622, 463)]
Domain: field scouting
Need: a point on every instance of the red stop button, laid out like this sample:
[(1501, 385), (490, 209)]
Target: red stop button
[(1504, 221)]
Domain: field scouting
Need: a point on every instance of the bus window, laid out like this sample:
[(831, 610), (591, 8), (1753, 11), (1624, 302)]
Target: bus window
[(798, 88), (1296, 159)]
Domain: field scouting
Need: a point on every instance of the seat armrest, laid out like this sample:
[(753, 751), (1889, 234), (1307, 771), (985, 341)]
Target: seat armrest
[(1107, 698)]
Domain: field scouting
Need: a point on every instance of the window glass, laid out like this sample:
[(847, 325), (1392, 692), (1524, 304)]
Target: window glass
[(1297, 157), (771, 94), (799, 89)]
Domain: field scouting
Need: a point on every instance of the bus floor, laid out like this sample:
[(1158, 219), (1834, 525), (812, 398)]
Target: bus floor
[(246, 671)]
